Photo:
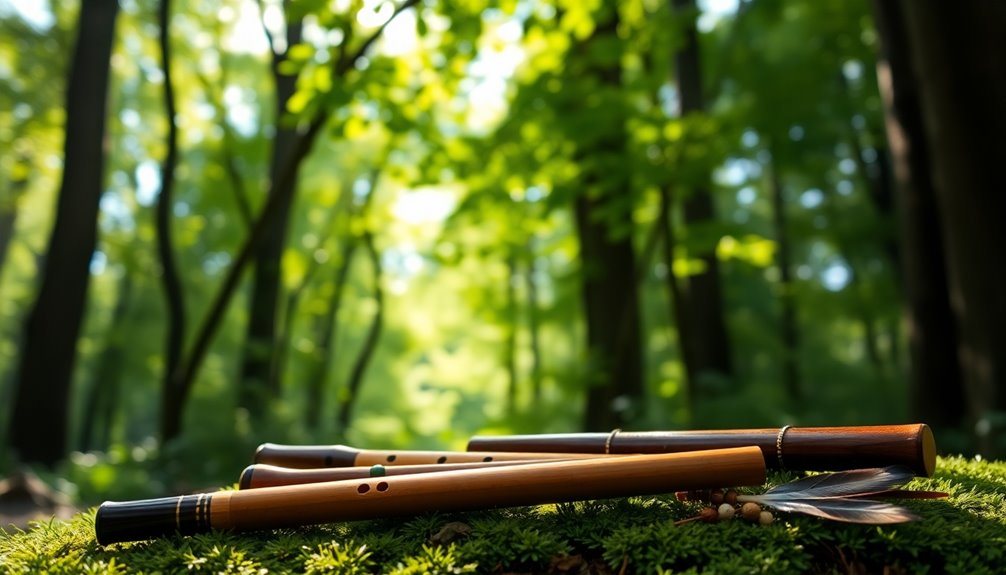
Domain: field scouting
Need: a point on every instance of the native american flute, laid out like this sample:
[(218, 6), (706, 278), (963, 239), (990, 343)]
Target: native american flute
[(794, 448), (531, 484), (317, 456), (261, 475)]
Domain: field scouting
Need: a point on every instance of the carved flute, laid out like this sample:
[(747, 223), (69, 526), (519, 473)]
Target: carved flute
[(262, 475), (318, 456), (788, 447), (530, 484)]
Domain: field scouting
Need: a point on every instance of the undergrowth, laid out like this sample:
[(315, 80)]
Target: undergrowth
[(965, 533)]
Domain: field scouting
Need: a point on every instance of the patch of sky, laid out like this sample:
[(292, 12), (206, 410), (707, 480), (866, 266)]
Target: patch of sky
[(534, 193), (712, 11), (746, 195), (113, 209), (847, 166), (148, 182), (870, 155), (130, 118), (216, 262), (852, 69), (424, 205), (844, 187), (736, 171), (836, 276), (859, 122), (749, 138), (240, 113), (35, 12), (811, 198), (99, 261), (375, 13), (361, 187), (796, 133), (667, 95)]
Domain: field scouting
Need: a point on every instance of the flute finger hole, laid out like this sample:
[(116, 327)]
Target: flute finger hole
[(382, 486), (442, 459), (391, 458), (363, 488), (487, 459)]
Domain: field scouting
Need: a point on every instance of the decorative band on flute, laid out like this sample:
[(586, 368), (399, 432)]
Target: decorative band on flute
[(788, 447), (320, 456), (530, 484)]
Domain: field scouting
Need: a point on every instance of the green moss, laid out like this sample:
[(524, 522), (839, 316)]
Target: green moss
[(965, 533)]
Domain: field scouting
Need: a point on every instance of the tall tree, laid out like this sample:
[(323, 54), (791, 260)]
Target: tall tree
[(936, 389), (258, 376), (706, 350), (52, 326), (170, 281), (603, 216), (958, 56), (181, 383)]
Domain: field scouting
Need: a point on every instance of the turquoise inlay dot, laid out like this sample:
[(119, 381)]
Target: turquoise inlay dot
[(377, 471)]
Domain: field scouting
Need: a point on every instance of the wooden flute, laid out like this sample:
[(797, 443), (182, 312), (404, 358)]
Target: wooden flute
[(787, 447), (530, 484), (262, 475), (319, 456)]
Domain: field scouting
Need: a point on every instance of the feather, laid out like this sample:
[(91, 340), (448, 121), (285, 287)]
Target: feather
[(846, 483), (842, 496), (849, 510)]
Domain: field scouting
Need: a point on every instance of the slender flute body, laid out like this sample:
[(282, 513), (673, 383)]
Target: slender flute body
[(794, 448), (319, 456), (531, 484), (260, 475)]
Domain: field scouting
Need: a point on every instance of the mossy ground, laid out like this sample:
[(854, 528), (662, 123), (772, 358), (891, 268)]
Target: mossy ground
[(965, 533)]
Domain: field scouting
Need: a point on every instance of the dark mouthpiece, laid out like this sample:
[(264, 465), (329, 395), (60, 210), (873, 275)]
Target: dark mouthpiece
[(116, 522)]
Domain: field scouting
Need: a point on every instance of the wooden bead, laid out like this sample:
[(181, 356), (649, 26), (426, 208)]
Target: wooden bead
[(730, 497), (716, 497), (751, 511), (726, 511), (709, 515), (765, 518)]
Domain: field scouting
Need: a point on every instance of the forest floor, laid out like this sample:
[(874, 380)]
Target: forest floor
[(964, 533)]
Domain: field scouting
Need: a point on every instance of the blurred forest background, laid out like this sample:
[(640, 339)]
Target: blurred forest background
[(397, 224)]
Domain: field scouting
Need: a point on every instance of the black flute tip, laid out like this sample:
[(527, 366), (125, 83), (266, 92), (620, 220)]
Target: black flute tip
[(117, 522), (246, 477)]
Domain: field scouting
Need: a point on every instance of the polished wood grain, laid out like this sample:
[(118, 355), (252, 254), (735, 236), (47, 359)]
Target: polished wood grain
[(530, 484), (802, 448), (320, 456), (258, 476)]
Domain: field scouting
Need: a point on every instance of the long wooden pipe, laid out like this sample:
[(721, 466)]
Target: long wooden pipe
[(260, 475), (794, 448), (320, 456), (531, 484)]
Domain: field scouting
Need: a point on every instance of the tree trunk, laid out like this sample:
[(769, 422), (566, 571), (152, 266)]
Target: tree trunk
[(510, 329), (959, 57), (677, 301), (38, 429), (936, 388), (170, 280), (326, 331), (102, 397), (533, 321), (257, 382), (9, 207), (706, 351), (789, 329), (348, 399), (611, 301)]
